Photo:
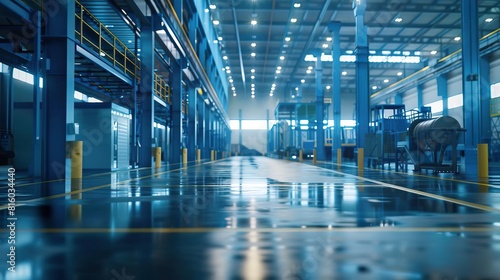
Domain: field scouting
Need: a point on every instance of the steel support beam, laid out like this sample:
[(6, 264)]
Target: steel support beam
[(420, 94), (192, 137), (442, 88), (398, 99), (471, 83), (334, 27), (176, 123), (485, 100), (59, 90), (320, 132), (362, 74), (36, 154), (146, 109)]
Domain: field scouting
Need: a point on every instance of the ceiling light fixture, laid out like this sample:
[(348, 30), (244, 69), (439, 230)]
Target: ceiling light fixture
[(328, 87), (400, 73), (457, 38), (488, 20), (344, 73), (253, 54), (213, 6), (253, 22), (386, 80), (374, 87), (308, 71), (282, 57), (253, 45), (398, 20), (325, 46), (302, 81), (433, 52), (293, 20), (216, 22), (287, 39), (253, 70), (296, 5), (225, 57)]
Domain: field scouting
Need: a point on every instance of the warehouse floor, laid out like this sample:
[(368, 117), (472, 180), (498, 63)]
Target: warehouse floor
[(255, 218)]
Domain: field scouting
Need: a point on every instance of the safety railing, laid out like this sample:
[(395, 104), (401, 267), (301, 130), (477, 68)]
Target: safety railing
[(162, 89), (90, 32)]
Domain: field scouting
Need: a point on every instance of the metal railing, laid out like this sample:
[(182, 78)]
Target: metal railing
[(162, 89), (90, 32)]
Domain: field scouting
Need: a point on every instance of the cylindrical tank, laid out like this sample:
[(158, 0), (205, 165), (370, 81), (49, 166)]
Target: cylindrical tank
[(441, 130)]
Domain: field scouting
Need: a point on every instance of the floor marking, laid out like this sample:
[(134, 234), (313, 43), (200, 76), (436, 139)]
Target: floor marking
[(261, 230), (419, 175), (439, 197), (24, 202)]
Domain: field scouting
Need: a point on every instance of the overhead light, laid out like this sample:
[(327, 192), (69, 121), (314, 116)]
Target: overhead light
[(296, 5), (293, 20), (296, 88), (213, 7), (398, 19), (279, 67), (282, 57), (329, 39), (228, 71), (253, 22), (287, 39), (252, 77), (434, 52), (219, 38), (253, 96), (253, 54), (328, 87), (231, 80), (233, 88), (302, 81), (271, 94), (344, 73), (225, 57), (325, 46), (130, 41), (417, 52), (109, 26), (386, 80), (310, 67), (215, 41), (308, 71), (253, 45), (216, 22), (374, 87), (488, 20), (293, 95), (400, 73), (457, 38), (207, 10), (278, 71), (234, 94), (253, 70), (252, 85)]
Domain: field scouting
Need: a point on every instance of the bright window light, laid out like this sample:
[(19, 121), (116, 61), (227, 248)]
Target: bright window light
[(436, 107), (495, 90), (455, 101)]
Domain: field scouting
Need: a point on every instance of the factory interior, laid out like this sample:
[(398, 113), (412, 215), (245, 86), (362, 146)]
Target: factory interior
[(250, 139)]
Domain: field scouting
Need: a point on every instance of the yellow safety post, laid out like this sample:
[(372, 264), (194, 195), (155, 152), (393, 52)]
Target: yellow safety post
[(361, 158), (287, 155), (215, 154), (184, 155), (198, 155), (300, 155), (157, 157), (212, 155), (339, 156), (482, 160), (222, 156), (314, 157), (76, 155)]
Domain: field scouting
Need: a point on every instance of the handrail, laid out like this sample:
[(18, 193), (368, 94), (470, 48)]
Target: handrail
[(89, 31), (162, 89)]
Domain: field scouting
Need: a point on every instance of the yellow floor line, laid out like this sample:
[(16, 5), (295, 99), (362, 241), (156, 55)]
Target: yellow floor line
[(419, 175), (439, 197), (263, 230)]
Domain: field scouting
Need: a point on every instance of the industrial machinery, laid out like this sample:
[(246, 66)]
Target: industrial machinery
[(428, 141)]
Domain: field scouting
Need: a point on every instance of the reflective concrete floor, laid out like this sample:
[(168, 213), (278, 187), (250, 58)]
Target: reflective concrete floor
[(254, 218)]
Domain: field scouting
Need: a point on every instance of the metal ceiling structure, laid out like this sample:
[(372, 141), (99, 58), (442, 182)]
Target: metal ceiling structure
[(429, 29)]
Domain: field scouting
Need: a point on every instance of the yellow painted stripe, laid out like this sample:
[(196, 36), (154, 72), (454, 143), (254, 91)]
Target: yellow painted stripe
[(264, 230), (24, 202), (439, 197), (421, 175)]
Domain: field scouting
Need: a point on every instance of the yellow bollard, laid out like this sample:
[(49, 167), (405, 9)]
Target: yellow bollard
[(76, 155), (361, 158), (287, 155), (482, 160), (300, 155), (212, 155), (339, 156), (157, 157), (198, 155), (184, 155), (314, 157)]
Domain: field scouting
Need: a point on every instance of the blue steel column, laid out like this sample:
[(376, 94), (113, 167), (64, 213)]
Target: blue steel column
[(191, 131), (420, 98), (36, 156), (470, 83), (146, 109), (485, 100), (58, 102), (320, 132), (398, 98), (442, 88), (362, 74), (334, 27), (176, 115), (240, 132)]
